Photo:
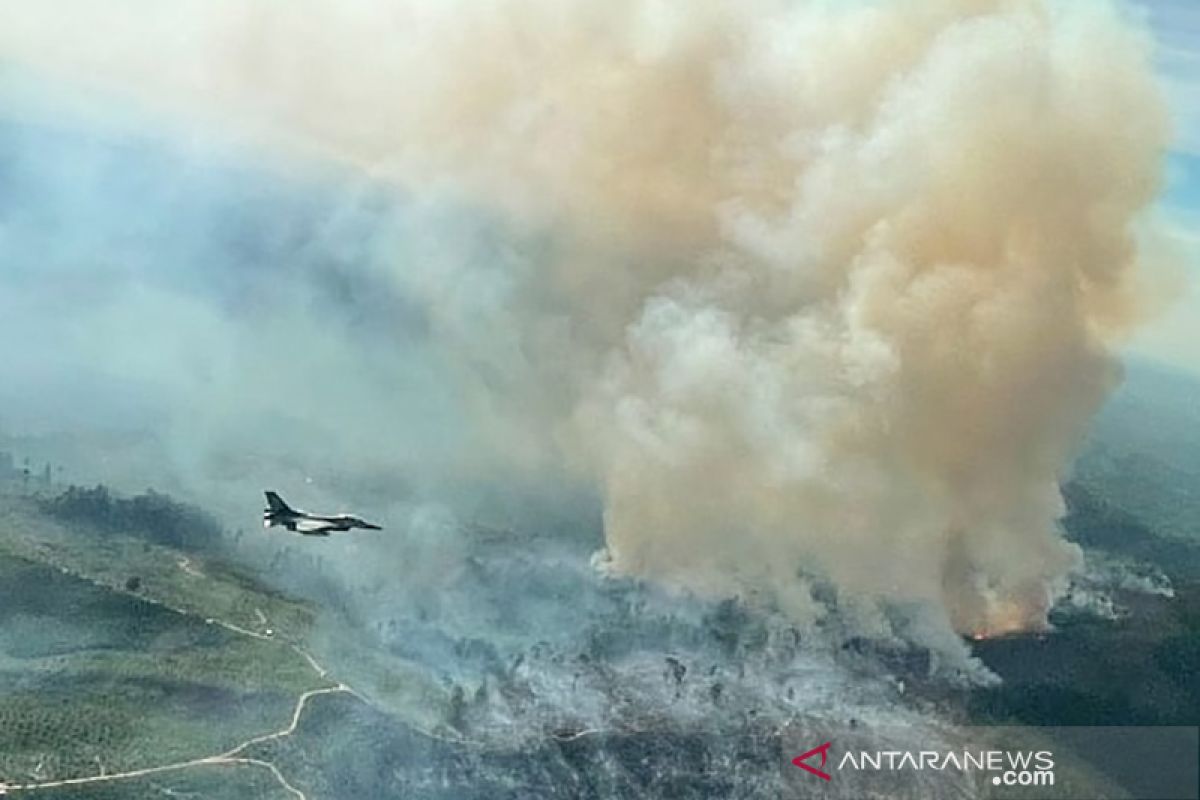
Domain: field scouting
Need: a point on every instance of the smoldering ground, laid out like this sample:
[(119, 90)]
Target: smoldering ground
[(807, 294)]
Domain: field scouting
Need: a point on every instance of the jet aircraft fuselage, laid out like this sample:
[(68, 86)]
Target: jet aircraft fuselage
[(279, 513)]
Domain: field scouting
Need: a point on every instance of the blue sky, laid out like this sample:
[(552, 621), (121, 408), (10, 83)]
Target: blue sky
[(1176, 25), (1175, 337)]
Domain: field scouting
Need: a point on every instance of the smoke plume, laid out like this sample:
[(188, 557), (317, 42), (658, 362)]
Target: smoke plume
[(817, 294)]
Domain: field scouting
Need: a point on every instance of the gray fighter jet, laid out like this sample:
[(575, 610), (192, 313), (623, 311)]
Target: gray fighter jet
[(280, 513)]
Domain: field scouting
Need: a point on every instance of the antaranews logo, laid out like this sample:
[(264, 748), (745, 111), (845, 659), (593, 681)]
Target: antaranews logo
[(823, 750), (1003, 767)]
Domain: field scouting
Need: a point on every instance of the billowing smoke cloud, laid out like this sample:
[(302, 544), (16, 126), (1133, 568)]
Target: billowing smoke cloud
[(818, 294)]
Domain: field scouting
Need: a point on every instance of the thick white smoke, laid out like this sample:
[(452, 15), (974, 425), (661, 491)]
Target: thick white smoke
[(815, 291)]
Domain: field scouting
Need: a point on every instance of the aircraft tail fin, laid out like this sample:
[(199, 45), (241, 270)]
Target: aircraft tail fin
[(276, 505)]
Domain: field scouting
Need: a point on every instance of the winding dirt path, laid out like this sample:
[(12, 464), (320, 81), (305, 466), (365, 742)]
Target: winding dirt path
[(229, 757)]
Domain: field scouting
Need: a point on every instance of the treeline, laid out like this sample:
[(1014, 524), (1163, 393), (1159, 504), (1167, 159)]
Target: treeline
[(1094, 522), (152, 516)]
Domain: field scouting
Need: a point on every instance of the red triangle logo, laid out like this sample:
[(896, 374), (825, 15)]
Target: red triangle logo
[(800, 759)]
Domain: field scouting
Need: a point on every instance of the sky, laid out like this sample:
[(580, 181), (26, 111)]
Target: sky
[(1173, 337)]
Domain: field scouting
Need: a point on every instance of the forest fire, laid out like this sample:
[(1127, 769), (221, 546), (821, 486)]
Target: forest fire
[(1006, 619)]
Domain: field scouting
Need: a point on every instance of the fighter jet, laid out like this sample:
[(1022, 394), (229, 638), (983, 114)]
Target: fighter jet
[(280, 513)]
